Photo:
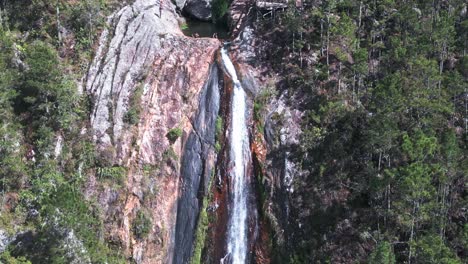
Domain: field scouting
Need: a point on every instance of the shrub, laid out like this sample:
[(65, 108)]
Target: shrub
[(219, 9), (174, 134), (47, 95), (6, 257), (169, 155), (114, 173), (200, 235), (67, 210), (105, 157), (383, 254), (132, 116), (149, 169), (431, 248), (184, 26), (141, 225)]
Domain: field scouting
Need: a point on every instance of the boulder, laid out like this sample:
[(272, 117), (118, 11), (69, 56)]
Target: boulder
[(180, 4), (199, 9)]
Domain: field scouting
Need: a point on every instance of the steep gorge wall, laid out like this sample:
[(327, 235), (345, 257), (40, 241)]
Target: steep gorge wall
[(197, 167), (144, 51)]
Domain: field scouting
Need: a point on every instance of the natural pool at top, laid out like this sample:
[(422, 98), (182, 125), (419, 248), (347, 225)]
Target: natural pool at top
[(194, 28)]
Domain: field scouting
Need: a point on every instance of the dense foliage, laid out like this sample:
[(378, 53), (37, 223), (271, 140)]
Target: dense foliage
[(383, 86), (219, 9), (44, 157)]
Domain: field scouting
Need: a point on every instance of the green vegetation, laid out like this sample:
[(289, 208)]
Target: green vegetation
[(219, 9), (133, 114), (383, 254), (200, 234), (116, 174), (141, 225), (202, 226), (260, 103), (382, 89), (169, 154), (432, 249), (184, 26), (217, 146), (43, 195), (63, 209), (383, 129), (42, 20), (149, 170), (219, 129), (219, 126), (6, 258), (174, 134)]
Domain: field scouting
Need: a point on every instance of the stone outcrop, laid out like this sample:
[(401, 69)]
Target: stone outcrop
[(199, 9), (143, 53)]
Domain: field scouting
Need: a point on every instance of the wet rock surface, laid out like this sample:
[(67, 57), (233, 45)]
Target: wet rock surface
[(197, 166)]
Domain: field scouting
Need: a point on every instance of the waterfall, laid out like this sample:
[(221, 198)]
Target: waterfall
[(239, 157)]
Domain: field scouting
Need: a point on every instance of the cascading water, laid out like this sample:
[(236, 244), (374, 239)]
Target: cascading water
[(239, 157)]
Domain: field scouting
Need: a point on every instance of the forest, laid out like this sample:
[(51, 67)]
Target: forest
[(383, 85)]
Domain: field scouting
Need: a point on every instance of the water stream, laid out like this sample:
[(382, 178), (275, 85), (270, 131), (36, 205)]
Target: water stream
[(239, 156)]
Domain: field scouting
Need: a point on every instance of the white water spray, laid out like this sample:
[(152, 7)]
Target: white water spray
[(239, 157)]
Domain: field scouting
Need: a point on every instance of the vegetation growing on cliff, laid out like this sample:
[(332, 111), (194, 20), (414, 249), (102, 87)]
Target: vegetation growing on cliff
[(174, 134), (219, 126), (133, 114), (141, 225), (200, 233)]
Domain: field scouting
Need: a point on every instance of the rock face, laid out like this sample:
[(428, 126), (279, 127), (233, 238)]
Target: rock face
[(121, 62), (273, 145), (197, 167), (144, 54), (238, 16), (180, 4), (199, 9)]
